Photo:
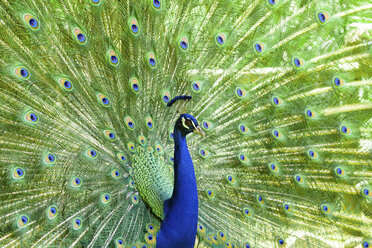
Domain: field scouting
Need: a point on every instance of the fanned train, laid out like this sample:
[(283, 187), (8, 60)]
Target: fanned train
[(281, 89)]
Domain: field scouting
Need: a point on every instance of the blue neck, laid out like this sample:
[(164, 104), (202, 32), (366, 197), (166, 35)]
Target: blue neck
[(181, 211)]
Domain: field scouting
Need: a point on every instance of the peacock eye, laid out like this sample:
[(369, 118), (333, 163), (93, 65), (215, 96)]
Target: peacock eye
[(188, 122)]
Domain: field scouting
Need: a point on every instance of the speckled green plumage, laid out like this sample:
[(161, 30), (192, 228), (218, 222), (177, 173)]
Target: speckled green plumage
[(284, 99)]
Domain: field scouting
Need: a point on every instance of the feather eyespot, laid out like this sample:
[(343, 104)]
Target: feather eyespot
[(310, 114), (119, 242), (367, 192), (338, 82), (240, 92), (222, 236), (76, 182), (49, 159), (281, 242), (105, 198), (203, 152), (22, 72), (151, 60), (243, 129), (272, 3), (135, 199), (243, 158), (247, 212), (149, 123), (110, 135), (23, 221), (165, 97), (65, 84), (365, 244), (260, 199), (230, 179), (156, 4), (131, 146), (298, 179), (52, 212), (130, 123), (259, 48), (113, 58), (323, 17), (159, 148), (91, 153), (115, 174), (276, 101), (95, 2), (103, 99), (150, 239), (287, 208), (312, 154), (134, 26), (210, 193), (326, 209), (184, 44), (298, 63), (32, 21), (247, 245), (142, 140), (80, 36), (196, 86), (339, 171), (220, 39), (18, 173), (134, 85), (273, 167), (277, 134), (31, 117), (150, 228), (76, 224), (345, 130)]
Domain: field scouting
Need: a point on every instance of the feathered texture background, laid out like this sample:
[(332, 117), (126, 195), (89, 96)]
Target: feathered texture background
[(282, 90)]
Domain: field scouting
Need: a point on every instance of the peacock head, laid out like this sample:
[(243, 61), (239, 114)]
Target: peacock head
[(187, 123)]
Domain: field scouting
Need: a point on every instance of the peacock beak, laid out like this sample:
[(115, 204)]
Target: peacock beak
[(199, 131)]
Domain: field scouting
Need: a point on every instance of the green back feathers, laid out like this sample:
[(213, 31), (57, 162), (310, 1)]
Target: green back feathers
[(282, 90)]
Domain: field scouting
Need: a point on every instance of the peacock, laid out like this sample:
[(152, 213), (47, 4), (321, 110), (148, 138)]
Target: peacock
[(181, 124)]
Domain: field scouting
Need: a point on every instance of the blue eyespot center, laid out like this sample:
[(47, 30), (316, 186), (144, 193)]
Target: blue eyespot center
[(276, 101), (19, 172), (130, 124), (273, 166), (53, 210), (209, 192), (219, 40), (260, 198), (105, 101), (24, 73), (344, 129), (166, 98), (276, 133), (81, 37), (183, 44), (134, 28), (93, 153), (151, 227), (202, 152), (107, 197), (322, 17), (337, 82), (297, 62), (77, 222), (311, 153), (229, 178), (272, 2), (33, 117), (242, 128), (152, 61), (114, 59), (149, 124), (24, 219), (281, 241), (309, 113), (298, 178), (366, 191), (156, 3), (117, 173), (258, 48), (196, 86), (51, 157), (135, 87), (33, 22), (339, 171), (77, 180), (120, 242), (239, 92), (67, 84), (325, 208), (365, 244)]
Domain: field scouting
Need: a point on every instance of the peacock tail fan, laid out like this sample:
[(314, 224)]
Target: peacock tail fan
[(282, 90)]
